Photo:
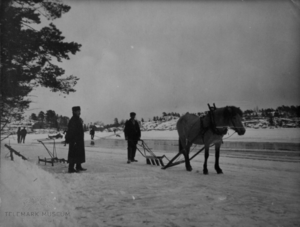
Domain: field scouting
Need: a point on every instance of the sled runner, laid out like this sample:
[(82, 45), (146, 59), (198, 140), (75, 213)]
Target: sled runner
[(53, 155)]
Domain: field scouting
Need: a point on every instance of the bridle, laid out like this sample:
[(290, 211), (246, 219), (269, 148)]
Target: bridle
[(215, 129), (220, 130), (234, 127)]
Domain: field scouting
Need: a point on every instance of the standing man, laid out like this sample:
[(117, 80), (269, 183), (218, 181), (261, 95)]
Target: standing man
[(75, 138), (132, 135), (23, 134), (92, 133), (19, 134)]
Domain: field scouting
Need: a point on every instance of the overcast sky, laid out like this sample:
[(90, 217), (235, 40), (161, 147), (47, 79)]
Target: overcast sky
[(176, 56)]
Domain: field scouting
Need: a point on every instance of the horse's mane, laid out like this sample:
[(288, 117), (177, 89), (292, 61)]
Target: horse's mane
[(231, 111)]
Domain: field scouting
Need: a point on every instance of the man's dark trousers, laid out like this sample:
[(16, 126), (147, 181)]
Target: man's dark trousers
[(131, 149)]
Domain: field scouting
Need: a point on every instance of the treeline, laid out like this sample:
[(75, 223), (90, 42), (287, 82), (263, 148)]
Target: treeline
[(116, 123), (164, 116), (281, 111), (173, 114), (49, 119)]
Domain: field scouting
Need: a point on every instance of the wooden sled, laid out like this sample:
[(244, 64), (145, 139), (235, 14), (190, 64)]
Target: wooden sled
[(151, 159), (53, 155), (57, 136)]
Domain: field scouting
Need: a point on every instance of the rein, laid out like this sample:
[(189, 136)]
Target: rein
[(229, 136)]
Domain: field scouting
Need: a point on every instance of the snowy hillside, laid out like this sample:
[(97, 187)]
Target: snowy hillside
[(166, 124)]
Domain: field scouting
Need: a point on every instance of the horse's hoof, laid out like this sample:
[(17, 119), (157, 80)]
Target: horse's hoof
[(219, 171), (205, 172), (189, 169)]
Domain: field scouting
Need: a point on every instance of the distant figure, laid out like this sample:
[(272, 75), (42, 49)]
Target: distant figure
[(19, 134), (65, 133), (75, 138), (57, 136), (115, 130), (23, 134), (132, 135), (92, 133)]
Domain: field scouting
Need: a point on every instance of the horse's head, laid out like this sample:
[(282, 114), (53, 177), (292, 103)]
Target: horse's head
[(233, 117)]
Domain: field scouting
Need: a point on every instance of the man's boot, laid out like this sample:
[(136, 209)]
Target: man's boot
[(71, 168), (129, 153), (133, 154), (79, 167)]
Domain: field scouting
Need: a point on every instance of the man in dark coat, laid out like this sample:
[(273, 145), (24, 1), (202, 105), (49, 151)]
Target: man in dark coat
[(23, 133), (75, 138), (132, 135), (19, 134), (92, 133)]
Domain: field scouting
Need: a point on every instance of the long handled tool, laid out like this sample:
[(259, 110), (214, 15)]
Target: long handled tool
[(53, 155), (151, 159)]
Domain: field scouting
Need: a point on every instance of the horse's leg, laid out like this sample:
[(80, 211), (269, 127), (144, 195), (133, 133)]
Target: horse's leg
[(187, 157), (184, 148), (217, 155), (206, 155)]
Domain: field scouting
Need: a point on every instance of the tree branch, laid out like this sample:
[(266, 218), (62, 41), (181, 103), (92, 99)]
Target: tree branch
[(28, 26), (3, 138)]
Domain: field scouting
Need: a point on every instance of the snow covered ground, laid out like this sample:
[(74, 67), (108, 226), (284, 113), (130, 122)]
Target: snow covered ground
[(112, 193), (31, 196)]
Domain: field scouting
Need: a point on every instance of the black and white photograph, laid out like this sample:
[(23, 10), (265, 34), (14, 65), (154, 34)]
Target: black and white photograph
[(150, 113)]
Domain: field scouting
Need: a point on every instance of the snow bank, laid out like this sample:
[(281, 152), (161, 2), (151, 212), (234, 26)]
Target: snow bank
[(31, 197)]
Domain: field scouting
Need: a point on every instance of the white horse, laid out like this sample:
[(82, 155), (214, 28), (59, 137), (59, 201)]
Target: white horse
[(208, 130)]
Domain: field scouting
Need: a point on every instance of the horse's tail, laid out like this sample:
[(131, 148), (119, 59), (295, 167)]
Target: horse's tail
[(180, 146)]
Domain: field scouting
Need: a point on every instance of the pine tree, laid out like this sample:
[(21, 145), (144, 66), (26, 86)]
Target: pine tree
[(33, 117), (29, 55), (116, 122), (41, 116)]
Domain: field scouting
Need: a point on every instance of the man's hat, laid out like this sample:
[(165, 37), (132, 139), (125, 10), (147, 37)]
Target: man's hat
[(75, 108), (132, 114)]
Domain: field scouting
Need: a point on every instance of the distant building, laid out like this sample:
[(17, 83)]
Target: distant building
[(98, 128)]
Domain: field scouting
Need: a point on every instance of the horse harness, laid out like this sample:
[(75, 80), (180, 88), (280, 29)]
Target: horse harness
[(212, 126), (221, 131)]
